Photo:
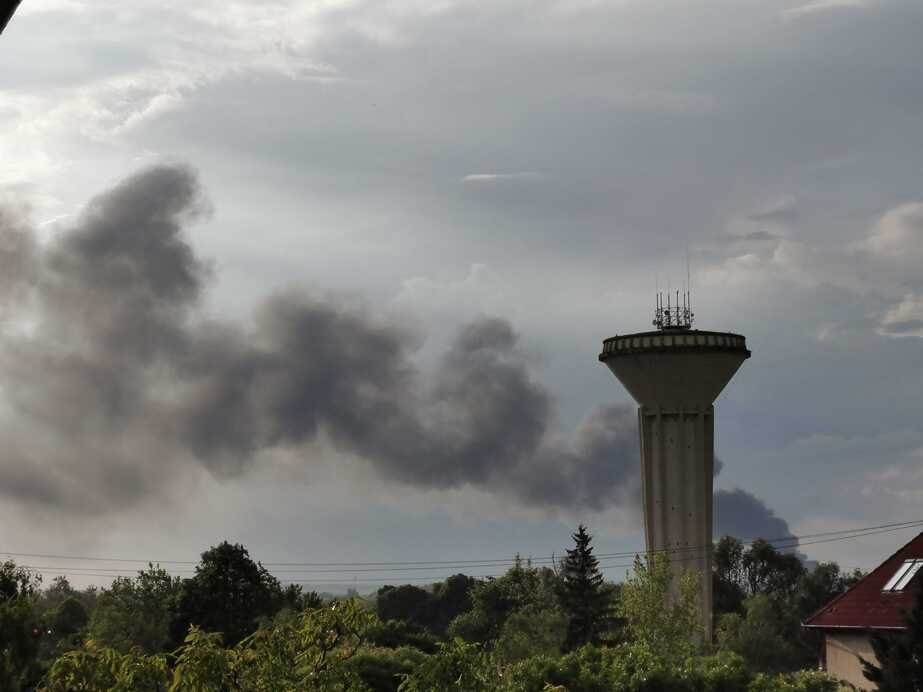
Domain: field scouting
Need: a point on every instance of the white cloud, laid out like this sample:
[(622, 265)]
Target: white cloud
[(897, 236), (219, 40), (451, 300), (905, 318), (494, 177), (819, 6), (40, 6), (902, 482)]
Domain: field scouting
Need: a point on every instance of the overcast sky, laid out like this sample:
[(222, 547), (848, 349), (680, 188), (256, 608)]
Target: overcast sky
[(330, 278)]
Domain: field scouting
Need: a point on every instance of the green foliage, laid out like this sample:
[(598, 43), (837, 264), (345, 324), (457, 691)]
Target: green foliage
[(531, 632), (494, 600), (397, 633), (19, 629), (383, 670), (248, 634), (626, 667), (762, 569), (311, 652), (758, 636), (664, 622), (768, 571), (69, 617), (456, 666), (583, 597), (307, 654), (793, 592), (407, 602), (728, 576), (294, 597), (203, 664), (57, 592), (100, 669), (136, 611), (432, 610), (801, 681), (228, 594)]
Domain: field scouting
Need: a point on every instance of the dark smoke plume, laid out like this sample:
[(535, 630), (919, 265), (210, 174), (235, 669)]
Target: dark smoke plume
[(743, 515), (113, 380)]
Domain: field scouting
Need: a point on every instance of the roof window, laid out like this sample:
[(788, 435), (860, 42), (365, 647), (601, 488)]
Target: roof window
[(904, 574)]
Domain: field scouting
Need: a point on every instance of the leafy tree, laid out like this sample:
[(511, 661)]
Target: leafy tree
[(383, 670), (57, 592), (494, 600), (668, 624), (294, 597), (758, 637), (815, 589), (69, 618), (19, 630), (451, 598), (760, 569), (900, 656), (530, 632), (585, 600), (728, 576), (96, 668), (228, 594), (768, 571), (136, 611), (400, 633), (430, 609), (408, 603), (310, 653), (457, 666)]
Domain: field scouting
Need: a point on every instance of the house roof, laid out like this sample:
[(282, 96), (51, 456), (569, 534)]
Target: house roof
[(866, 605)]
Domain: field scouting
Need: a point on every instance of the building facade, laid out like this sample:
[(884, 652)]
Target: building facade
[(874, 604)]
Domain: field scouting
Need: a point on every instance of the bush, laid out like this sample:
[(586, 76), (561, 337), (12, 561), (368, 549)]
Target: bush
[(395, 633), (383, 670), (457, 666), (529, 633), (802, 681), (101, 669), (759, 636)]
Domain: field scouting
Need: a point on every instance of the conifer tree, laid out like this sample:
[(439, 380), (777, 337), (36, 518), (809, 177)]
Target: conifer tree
[(585, 600), (900, 656)]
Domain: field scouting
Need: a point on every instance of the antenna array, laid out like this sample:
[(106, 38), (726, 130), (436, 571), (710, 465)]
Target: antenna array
[(674, 315)]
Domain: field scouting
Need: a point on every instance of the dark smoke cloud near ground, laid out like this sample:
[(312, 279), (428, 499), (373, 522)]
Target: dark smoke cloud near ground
[(114, 380), (742, 514)]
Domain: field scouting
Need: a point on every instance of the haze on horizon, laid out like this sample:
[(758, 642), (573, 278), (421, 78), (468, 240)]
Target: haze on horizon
[(330, 278)]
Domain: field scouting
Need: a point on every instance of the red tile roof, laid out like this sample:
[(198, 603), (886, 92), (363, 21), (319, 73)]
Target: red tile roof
[(865, 606)]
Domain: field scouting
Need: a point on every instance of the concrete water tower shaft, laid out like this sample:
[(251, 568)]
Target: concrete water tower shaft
[(675, 373)]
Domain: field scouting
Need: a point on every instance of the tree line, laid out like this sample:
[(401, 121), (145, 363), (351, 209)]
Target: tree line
[(234, 626)]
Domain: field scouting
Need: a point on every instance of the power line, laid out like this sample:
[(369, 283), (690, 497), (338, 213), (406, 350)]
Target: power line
[(680, 555), (795, 540)]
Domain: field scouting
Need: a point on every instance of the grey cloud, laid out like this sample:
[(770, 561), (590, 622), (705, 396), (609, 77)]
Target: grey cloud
[(125, 380), (784, 214), (905, 327), (760, 236)]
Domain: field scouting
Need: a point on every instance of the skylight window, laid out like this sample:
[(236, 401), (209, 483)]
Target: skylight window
[(904, 574)]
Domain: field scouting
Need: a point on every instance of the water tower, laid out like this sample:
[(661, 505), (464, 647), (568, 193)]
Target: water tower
[(675, 373)]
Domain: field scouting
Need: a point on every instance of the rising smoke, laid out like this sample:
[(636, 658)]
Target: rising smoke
[(113, 379), (742, 514)]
